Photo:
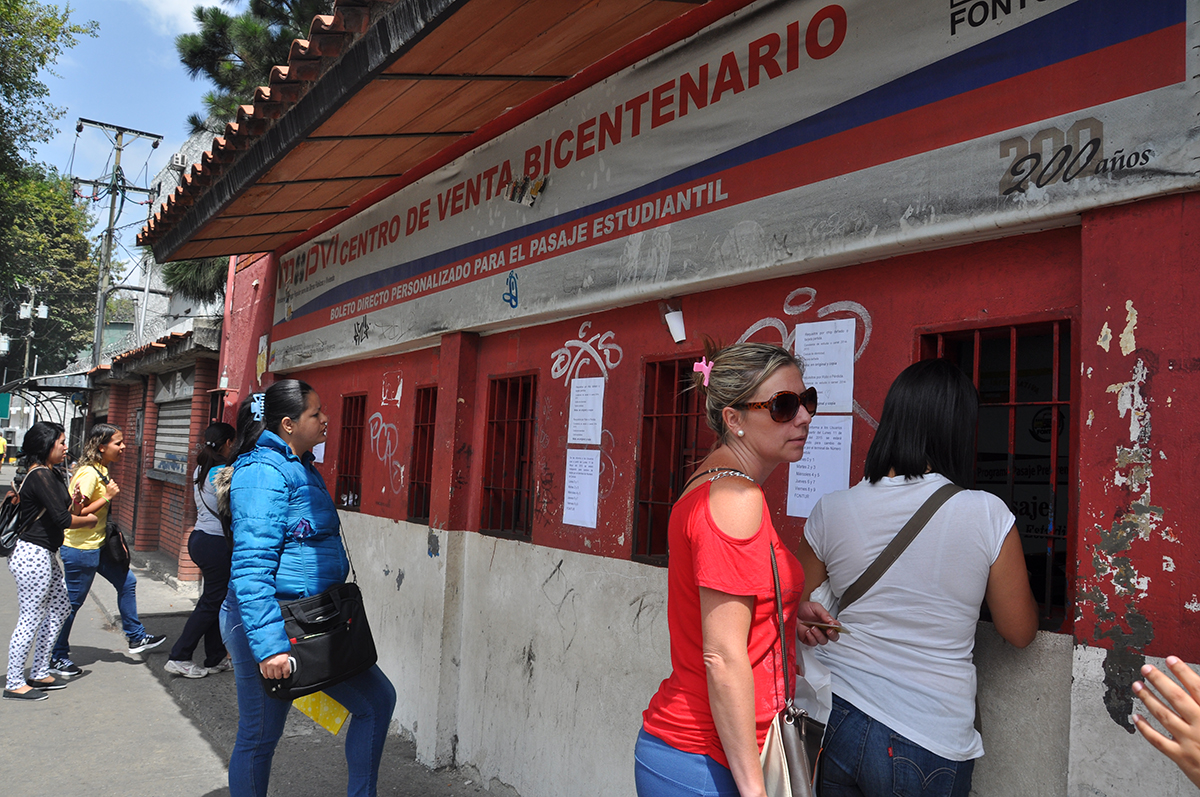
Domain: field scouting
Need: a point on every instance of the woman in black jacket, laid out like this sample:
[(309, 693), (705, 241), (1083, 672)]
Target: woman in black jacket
[(41, 591)]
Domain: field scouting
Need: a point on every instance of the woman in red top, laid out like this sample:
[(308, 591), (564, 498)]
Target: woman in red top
[(705, 726)]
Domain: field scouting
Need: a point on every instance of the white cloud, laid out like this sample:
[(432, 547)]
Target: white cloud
[(173, 17)]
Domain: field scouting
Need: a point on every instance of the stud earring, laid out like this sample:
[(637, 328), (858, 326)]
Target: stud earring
[(741, 432)]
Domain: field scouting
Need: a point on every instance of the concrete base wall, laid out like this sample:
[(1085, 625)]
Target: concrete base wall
[(1025, 712), (1106, 760), (531, 666)]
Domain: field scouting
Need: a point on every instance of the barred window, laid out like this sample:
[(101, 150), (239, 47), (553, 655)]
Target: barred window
[(1023, 445), (350, 452), (420, 484), (675, 437), (508, 463)]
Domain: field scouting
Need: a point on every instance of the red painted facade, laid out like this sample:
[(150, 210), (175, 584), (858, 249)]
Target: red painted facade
[(1082, 275)]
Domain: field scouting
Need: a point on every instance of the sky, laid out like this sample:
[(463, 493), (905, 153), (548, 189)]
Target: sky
[(130, 76)]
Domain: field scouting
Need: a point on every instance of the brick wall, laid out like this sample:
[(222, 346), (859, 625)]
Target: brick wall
[(150, 498)]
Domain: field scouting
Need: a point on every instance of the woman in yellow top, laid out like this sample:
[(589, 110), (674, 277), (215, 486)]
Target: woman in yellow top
[(81, 549)]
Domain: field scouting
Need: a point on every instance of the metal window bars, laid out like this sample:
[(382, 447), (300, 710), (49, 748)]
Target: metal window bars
[(420, 483), (507, 509)]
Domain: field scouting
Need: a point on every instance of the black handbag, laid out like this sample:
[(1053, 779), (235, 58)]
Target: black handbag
[(113, 549), (331, 641)]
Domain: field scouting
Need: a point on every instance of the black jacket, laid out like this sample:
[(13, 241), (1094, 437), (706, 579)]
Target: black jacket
[(45, 488)]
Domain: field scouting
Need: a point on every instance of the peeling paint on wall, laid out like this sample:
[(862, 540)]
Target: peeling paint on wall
[(1130, 399), (1105, 338), (1128, 344), (1112, 592)]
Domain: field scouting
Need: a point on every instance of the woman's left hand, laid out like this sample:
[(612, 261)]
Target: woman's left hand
[(276, 667), (813, 612)]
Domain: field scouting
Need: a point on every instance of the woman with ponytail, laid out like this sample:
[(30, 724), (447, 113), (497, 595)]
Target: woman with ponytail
[(210, 552), (287, 544), (80, 552)]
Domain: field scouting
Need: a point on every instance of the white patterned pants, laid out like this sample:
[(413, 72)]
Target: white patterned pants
[(43, 601)]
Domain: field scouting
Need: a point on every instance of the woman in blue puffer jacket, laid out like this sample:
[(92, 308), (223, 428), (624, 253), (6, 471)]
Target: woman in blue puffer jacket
[(287, 544)]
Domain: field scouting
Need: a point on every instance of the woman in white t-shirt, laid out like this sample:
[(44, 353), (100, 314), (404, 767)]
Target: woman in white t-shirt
[(904, 678)]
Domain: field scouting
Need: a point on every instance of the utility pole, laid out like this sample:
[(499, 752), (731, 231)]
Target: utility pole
[(116, 186), (30, 312)]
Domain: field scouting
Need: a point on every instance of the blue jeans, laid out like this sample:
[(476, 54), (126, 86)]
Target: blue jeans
[(660, 770), (865, 758), (369, 697), (80, 569)]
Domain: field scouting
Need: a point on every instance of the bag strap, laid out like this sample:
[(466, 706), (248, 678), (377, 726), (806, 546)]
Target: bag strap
[(896, 547), (104, 479), (21, 486), (787, 689)]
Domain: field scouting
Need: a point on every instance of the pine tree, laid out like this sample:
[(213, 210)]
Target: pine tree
[(236, 51)]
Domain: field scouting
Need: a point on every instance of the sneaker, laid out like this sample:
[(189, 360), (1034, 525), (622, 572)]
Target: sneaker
[(48, 686), (187, 669), (147, 642), (64, 668), (224, 666)]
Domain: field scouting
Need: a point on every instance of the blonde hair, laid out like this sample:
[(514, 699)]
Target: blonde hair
[(737, 371), (100, 434)]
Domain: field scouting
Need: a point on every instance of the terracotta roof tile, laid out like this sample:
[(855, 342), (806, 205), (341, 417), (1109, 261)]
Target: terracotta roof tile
[(329, 36), (499, 55)]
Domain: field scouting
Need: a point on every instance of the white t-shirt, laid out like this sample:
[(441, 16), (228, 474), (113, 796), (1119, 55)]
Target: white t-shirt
[(907, 661)]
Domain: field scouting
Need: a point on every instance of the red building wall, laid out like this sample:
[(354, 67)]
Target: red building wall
[(1139, 571), (993, 283), (249, 303), (1121, 534)]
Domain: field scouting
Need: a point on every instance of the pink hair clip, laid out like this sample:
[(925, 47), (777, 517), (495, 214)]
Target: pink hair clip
[(703, 366)]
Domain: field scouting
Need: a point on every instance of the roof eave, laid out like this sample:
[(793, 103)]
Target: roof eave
[(398, 29)]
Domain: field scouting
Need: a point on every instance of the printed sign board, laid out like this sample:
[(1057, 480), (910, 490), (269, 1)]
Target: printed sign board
[(787, 137)]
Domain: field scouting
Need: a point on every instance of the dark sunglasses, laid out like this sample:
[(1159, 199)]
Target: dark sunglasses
[(784, 405)]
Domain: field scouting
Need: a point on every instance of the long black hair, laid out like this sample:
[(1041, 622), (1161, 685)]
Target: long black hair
[(39, 442), (928, 425), (286, 398), (209, 457)]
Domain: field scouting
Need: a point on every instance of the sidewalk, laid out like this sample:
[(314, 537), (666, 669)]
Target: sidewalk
[(114, 730), (128, 727)]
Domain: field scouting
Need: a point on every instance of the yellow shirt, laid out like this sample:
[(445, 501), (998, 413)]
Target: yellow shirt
[(86, 478), (3, 448)]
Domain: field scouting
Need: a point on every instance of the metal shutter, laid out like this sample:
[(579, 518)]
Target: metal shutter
[(171, 438)]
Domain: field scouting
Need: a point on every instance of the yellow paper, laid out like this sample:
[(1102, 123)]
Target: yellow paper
[(323, 710)]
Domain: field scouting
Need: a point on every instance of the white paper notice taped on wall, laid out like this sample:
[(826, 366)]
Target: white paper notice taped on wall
[(825, 466), (581, 497), (827, 348)]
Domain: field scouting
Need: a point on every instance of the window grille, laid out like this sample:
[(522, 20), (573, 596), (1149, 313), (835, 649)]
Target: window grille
[(675, 437), (508, 464), (420, 483), (172, 436), (350, 452), (1023, 444)]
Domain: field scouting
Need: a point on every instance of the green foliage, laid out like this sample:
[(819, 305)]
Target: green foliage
[(236, 51), (44, 252), (197, 280), (32, 37)]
